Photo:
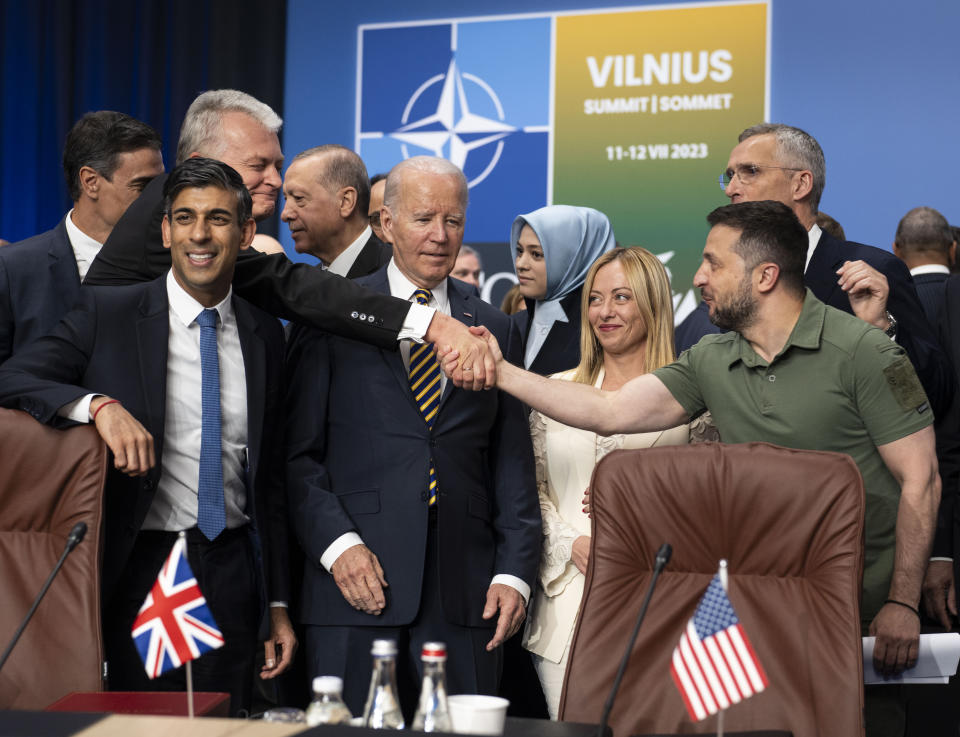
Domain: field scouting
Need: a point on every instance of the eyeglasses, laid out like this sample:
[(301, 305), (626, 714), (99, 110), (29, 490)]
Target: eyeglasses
[(746, 173)]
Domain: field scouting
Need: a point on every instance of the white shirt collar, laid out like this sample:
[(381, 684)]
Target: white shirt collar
[(342, 264), (186, 308), (814, 235), (85, 248), (929, 269), (403, 288)]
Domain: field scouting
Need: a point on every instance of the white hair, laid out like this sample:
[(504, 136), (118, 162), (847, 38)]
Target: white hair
[(201, 130), (428, 164)]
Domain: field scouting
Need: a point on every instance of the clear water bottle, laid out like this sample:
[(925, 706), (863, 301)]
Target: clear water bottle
[(432, 714), (382, 710), (327, 706)]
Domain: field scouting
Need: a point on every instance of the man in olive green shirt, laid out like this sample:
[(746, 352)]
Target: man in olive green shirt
[(797, 373)]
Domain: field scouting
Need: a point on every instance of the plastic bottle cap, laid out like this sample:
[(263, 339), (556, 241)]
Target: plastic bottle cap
[(326, 684), (434, 651), (384, 647)]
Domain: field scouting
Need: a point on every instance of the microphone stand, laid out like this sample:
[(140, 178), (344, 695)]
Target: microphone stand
[(660, 562), (73, 539)]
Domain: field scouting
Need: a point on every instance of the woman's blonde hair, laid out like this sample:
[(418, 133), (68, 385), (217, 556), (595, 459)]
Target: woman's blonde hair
[(648, 280)]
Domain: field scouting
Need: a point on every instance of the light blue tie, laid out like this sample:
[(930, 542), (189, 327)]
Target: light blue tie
[(211, 516)]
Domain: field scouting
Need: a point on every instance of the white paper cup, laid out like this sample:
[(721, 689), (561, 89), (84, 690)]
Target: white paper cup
[(475, 714)]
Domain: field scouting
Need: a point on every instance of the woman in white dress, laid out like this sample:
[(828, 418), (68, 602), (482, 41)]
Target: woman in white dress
[(627, 330)]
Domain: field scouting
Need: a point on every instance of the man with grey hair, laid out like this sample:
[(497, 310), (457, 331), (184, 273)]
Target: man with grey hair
[(924, 242), (396, 476), (779, 162), (468, 267), (327, 192), (242, 132)]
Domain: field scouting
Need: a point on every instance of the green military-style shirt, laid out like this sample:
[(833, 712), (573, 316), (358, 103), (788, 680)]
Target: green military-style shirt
[(838, 385)]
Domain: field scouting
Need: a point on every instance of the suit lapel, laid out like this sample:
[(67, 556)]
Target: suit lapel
[(153, 331), (255, 370), (394, 359), (460, 309), (821, 275), (63, 265)]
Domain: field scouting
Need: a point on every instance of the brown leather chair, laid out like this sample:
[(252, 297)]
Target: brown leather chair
[(49, 480), (790, 525)]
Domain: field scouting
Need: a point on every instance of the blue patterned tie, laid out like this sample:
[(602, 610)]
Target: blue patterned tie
[(426, 386), (211, 517)]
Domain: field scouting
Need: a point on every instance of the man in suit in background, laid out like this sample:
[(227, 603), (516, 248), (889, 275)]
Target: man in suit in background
[(241, 131), (108, 159), (182, 381), (378, 183), (414, 501), (924, 242), (782, 163), (327, 195)]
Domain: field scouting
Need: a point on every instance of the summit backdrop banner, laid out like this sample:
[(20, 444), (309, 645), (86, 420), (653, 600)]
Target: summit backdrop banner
[(631, 111)]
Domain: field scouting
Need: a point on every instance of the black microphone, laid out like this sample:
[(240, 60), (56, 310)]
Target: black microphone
[(659, 563), (73, 539)]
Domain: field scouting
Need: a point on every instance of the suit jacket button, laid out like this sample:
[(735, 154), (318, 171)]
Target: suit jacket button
[(369, 318), (354, 314), (363, 316)]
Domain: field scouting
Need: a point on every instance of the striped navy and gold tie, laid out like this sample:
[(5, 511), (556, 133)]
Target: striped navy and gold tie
[(426, 386)]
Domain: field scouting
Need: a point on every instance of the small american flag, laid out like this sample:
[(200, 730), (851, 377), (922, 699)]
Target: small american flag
[(174, 624), (714, 665)]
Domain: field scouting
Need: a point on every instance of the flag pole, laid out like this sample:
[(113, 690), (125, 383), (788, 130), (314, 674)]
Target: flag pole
[(722, 572), (189, 689), (183, 536)]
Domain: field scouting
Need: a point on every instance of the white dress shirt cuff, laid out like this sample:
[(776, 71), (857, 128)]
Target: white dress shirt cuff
[(279, 603), (337, 547), (941, 557), (416, 323), (78, 410), (514, 583)]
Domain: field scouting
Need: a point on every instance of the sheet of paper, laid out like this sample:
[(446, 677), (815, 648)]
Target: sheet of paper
[(936, 662)]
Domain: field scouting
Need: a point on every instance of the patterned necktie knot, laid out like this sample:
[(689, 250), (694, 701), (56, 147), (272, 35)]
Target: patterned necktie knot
[(422, 296)]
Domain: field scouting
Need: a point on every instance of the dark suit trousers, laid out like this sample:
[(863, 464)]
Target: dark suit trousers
[(226, 572), (345, 651)]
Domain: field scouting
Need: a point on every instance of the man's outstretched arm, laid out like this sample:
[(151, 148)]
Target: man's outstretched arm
[(643, 404)]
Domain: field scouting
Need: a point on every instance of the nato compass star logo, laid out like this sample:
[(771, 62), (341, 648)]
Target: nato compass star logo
[(452, 131)]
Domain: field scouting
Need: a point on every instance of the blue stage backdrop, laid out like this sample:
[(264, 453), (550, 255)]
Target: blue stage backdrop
[(876, 83)]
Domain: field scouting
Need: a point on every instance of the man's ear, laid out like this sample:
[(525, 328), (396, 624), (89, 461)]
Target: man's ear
[(165, 231), (386, 222), (347, 201), (952, 254), (802, 185), (247, 231), (89, 182), (896, 251), (769, 275)]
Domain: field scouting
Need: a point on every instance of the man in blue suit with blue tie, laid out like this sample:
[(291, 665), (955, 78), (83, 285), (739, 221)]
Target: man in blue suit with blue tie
[(108, 159), (414, 501)]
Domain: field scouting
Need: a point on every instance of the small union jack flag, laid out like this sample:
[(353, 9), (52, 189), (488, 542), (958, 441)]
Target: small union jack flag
[(714, 666), (174, 624)]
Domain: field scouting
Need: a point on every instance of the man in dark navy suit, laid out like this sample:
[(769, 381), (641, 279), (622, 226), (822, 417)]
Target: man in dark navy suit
[(108, 159), (782, 163), (134, 362), (328, 194), (414, 501), (924, 242)]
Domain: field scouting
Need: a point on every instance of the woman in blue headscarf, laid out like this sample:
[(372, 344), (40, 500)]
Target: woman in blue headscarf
[(554, 248)]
